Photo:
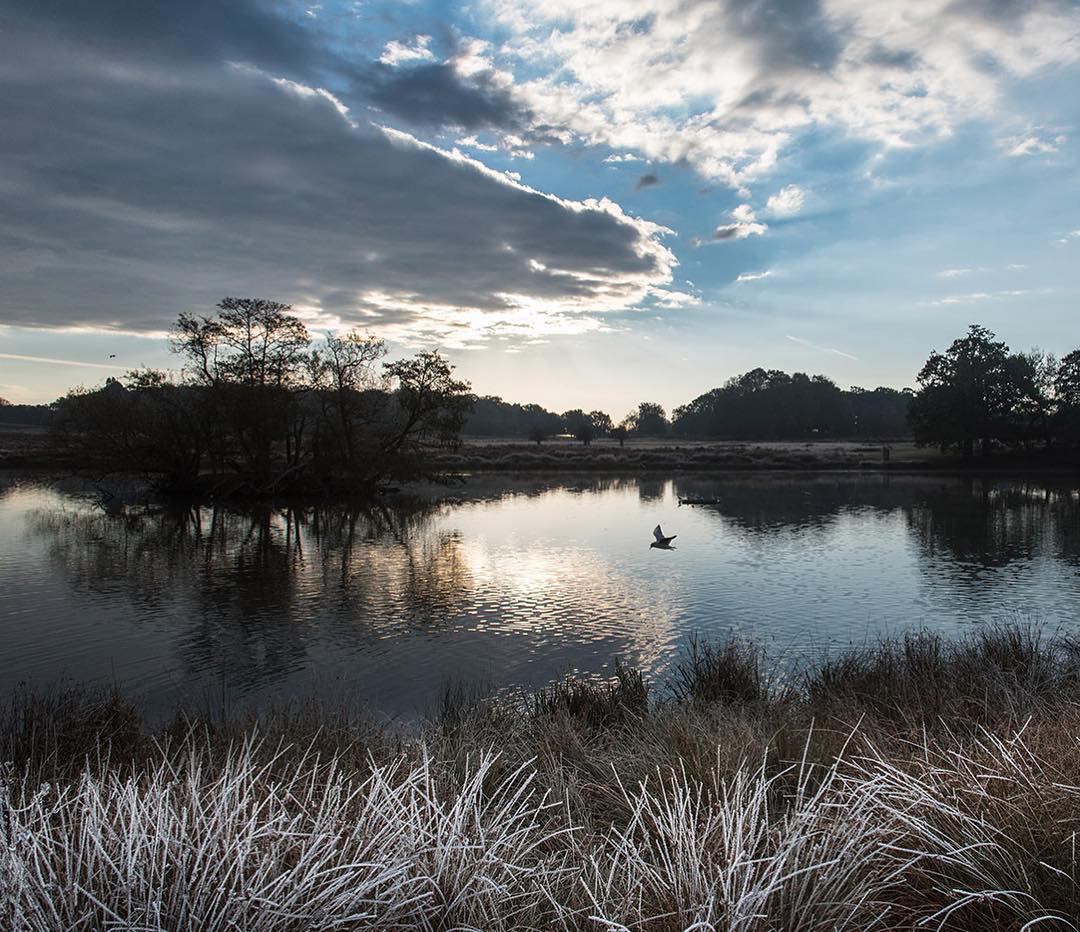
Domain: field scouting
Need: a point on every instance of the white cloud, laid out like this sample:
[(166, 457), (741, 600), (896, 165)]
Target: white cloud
[(744, 224), (644, 76), (786, 202), (976, 297), (1073, 234), (471, 142), (754, 276), (396, 53), (1033, 144), (624, 157)]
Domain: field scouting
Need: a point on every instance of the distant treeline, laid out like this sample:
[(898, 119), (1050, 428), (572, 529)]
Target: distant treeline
[(262, 405), (758, 405), (978, 394), (24, 415)]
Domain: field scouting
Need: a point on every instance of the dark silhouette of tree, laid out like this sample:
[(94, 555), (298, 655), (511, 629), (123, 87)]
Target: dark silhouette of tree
[(427, 409), (576, 423), (1032, 376), (619, 433), (257, 411), (493, 417), (965, 394), (601, 422), (538, 434), (649, 420), (768, 404), (1067, 397)]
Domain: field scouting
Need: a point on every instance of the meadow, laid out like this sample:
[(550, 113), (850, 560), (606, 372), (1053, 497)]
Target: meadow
[(916, 783)]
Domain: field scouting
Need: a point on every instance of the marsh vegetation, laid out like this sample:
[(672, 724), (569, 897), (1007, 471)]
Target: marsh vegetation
[(917, 783)]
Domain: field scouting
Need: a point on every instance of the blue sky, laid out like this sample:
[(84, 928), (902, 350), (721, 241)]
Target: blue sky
[(581, 204)]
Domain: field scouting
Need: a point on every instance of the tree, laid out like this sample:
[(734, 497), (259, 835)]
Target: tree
[(348, 391), (576, 423), (965, 394), (429, 407), (650, 420), (538, 434), (1067, 397), (248, 357), (601, 422), (620, 432), (1032, 375), (265, 414)]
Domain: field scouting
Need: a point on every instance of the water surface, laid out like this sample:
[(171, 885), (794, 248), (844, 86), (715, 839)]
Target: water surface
[(515, 583)]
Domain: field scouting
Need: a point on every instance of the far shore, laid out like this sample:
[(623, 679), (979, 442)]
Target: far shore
[(29, 447)]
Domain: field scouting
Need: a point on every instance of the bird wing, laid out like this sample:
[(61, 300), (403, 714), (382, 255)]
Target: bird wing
[(658, 534)]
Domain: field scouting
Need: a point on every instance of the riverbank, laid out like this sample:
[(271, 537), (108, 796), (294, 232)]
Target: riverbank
[(920, 783), (30, 448)]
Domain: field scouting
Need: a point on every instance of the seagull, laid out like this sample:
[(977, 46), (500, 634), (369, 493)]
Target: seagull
[(662, 542)]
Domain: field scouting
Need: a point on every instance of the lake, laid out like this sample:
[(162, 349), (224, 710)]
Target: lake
[(513, 582)]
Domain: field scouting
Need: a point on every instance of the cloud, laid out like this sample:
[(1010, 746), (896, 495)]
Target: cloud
[(821, 349), (786, 202), (395, 52), (647, 181), (1068, 237), (1033, 143), (753, 276), (894, 75), (141, 181), (744, 224), (471, 142), (975, 297), (438, 95), (956, 273), (623, 157)]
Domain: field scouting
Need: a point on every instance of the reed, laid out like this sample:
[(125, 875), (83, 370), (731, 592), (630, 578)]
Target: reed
[(918, 784)]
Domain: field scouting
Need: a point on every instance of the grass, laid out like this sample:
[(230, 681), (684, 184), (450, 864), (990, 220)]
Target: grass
[(511, 456), (917, 784)]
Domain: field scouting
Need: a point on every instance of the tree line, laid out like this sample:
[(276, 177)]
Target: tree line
[(261, 407), (976, 394), (758, 405)]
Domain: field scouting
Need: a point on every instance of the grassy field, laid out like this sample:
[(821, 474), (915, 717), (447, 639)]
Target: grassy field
[(919, 784), (636, 455)]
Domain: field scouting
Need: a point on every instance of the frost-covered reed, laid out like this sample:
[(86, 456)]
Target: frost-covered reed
[(591, 808)]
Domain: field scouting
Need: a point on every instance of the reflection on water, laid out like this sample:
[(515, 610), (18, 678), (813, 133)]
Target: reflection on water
[(513, 584)]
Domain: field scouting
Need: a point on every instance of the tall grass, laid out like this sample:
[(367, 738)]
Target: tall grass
[(920, 784)]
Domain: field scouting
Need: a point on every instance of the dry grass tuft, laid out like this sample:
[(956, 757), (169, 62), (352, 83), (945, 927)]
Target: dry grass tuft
[(920, 784)]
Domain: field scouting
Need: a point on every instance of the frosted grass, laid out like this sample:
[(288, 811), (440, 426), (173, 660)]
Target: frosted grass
[(957, 834)]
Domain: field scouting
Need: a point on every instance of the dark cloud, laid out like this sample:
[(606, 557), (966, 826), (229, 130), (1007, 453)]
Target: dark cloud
[(647, 181), (790, 35), (728, 232), (161, 30), (435, 95), (134, 187)]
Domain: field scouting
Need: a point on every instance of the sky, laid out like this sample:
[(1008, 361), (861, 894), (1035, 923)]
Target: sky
[(581, 204)]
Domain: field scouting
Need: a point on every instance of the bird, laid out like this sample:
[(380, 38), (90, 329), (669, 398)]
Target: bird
[(662, 542), (112, 355)]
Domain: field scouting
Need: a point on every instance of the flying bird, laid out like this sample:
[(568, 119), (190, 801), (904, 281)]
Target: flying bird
[(112, 355), (662, 542)]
